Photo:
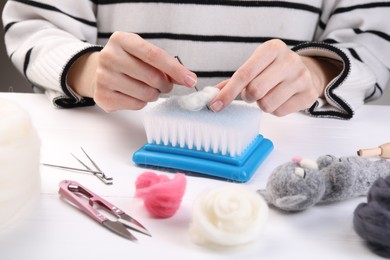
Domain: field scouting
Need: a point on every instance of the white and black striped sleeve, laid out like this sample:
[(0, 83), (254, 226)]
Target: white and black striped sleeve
[(355, 33), (43, 38)]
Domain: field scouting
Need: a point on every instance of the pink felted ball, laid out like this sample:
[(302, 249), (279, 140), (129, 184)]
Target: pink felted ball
[(161, 195)]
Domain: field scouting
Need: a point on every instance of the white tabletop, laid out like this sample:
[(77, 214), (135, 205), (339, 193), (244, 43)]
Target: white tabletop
[(56, 230)]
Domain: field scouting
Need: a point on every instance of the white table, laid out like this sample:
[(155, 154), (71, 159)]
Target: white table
[(56, 230)]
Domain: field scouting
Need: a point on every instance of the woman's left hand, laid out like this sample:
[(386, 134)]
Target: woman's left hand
[(278, 79)]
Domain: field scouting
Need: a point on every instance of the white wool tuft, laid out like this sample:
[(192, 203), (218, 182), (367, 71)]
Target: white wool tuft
[(19, 163), (198, 100), (228, 132), (228, 216)]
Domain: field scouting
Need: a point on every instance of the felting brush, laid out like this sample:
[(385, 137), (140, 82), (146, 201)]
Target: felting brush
[(226, 144)]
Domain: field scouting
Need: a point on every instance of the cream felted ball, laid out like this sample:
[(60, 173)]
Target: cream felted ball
[(19, 163), (228, 216)]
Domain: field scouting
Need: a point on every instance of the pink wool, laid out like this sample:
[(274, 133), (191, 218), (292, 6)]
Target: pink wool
[(161, 195)]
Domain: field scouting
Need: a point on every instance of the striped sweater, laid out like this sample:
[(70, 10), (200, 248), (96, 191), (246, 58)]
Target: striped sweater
[(213, 38)]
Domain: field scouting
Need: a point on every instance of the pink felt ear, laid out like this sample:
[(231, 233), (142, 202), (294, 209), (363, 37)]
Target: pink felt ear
[(297, 159), (161, 195)]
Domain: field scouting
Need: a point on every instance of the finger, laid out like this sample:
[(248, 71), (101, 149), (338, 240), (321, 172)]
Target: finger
[(296, 103), (116, 59), (159, 59), (131, 87), (111, 101), (285, 92), (270, 77), (275, 98), (242, 77), (151, 76), (222, 84)]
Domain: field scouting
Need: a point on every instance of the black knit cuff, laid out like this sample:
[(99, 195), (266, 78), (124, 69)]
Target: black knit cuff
[(325, 50)]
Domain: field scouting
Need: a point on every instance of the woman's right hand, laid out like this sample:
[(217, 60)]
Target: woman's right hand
[(127, 73)]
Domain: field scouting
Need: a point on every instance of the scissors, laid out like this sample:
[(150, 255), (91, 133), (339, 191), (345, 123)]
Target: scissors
[(85, 200)]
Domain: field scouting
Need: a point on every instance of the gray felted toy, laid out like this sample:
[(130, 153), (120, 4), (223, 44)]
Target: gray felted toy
[(300, 184)]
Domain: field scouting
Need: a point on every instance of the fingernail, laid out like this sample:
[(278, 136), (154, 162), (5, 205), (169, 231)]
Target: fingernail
[(190, 81), (216, 106)]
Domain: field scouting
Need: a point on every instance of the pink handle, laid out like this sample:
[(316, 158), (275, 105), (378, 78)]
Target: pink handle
[(68, 190)]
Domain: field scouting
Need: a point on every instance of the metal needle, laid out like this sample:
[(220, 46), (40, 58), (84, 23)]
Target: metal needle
[(195, 87)]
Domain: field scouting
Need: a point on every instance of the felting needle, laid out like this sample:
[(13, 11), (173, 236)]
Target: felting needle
[(177, 57), (94, 164), (96, 173), (195, 87)]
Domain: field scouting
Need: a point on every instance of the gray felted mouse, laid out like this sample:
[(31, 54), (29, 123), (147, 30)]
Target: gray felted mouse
[(300, 184)]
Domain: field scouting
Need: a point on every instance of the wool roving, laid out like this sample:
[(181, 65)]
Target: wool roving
[(228, 216), (161, 195), (19, 163), (198, 100), (372, 219)]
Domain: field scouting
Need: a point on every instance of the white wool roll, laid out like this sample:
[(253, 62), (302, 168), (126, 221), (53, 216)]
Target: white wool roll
[(198, 100), (228, 216), (19, 163)]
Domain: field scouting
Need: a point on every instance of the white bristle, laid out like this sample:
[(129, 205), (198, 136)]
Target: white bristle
[(228, 132)]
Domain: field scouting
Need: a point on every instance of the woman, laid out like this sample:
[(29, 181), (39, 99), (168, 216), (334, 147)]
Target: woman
[(325, 57)]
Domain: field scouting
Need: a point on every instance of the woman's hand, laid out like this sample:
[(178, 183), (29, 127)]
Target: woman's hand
[(127, 74), (279, 80)]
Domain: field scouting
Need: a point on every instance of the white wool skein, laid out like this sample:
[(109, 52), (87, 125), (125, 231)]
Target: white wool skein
[(228, 216), (19, 163), (198, 100)]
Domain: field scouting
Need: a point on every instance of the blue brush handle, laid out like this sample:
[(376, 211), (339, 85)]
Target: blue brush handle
[(239, 168)]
